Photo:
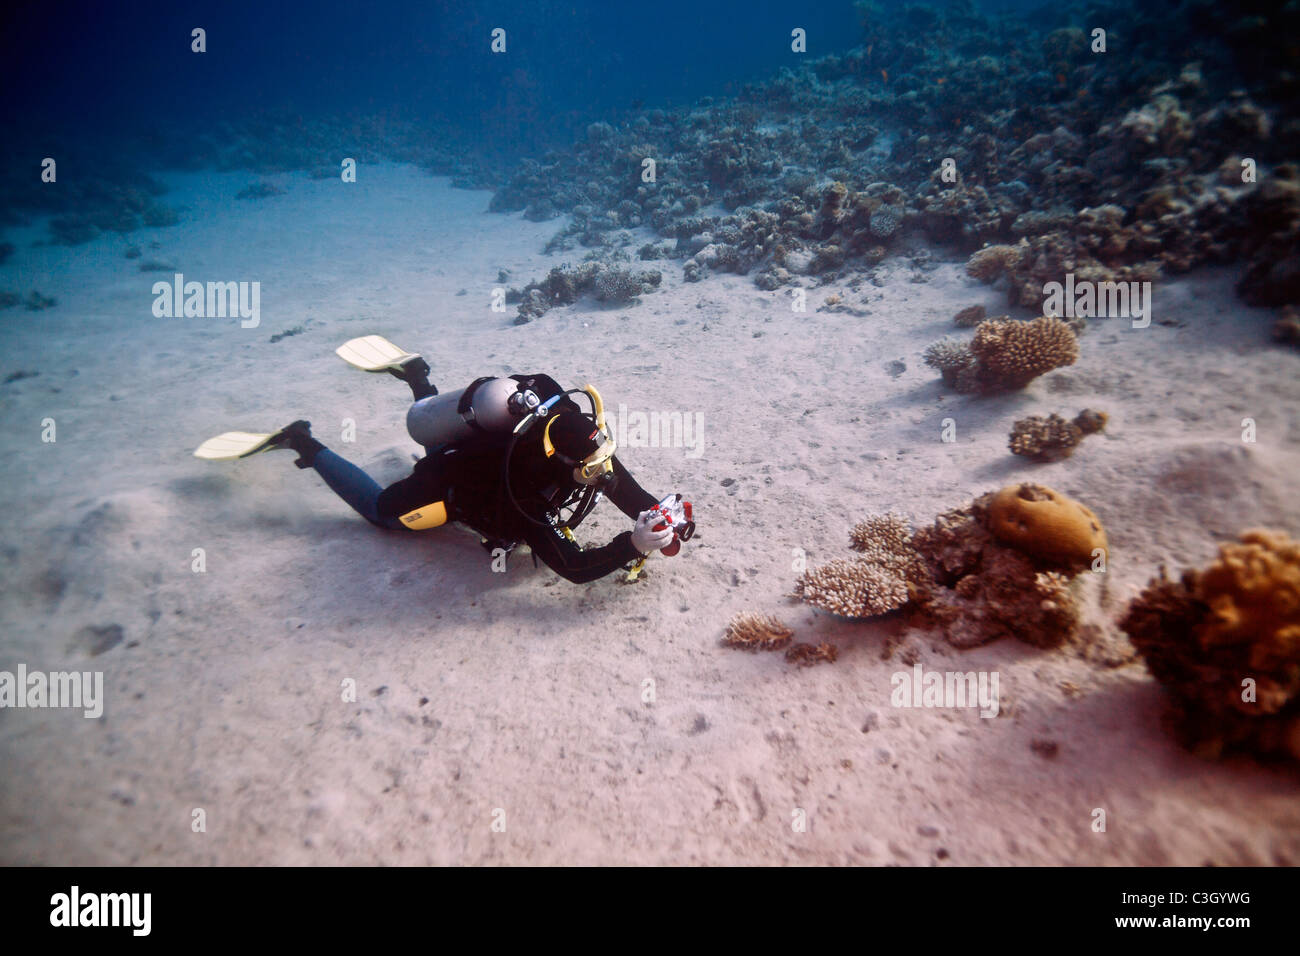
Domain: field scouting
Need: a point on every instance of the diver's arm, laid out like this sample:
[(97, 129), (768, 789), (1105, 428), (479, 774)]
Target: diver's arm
[(629, 497), (573, 563)]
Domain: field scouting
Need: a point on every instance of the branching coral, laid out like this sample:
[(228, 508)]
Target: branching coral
[(756, 632), (1012, 354), (1004, 355), (1225, 642), (886, 541), (955, 362), (1053, 438), (990, 262), (853, 587)]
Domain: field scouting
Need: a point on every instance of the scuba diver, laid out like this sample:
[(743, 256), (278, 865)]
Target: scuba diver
[(504, 456)]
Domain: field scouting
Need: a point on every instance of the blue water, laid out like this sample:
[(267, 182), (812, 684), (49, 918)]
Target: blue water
[(97, 68)]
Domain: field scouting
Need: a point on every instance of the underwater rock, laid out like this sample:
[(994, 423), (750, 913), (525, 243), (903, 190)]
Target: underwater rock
[(1222, 641), (1287, 327), (35, 302), (72, 230), (259, 190), (1272, 212)]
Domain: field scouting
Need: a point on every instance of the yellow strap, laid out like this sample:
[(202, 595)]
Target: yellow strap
[(634, 572), (430, 516)]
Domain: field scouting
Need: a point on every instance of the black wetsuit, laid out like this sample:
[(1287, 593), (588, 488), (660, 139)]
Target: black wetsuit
[(468, 477)]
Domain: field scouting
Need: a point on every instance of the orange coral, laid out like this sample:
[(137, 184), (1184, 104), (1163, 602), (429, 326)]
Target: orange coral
[(1046, 525), (1225, 641)]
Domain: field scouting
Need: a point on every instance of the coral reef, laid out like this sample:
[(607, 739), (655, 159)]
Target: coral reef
[(969, 317), (1053, 438), (1225, 643), (756, 632), (974, 573), (1005, 354), (1039, 164)]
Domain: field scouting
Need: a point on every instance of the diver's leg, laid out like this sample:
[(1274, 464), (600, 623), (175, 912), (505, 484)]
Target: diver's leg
[(352, 485), (344, 478)]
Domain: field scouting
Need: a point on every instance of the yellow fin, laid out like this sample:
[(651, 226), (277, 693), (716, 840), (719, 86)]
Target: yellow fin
[(229, 445), (373, 353)]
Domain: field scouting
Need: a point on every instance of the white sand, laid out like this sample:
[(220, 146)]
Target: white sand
[(225, 693)]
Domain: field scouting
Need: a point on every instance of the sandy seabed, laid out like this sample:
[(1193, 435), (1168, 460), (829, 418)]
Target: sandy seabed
[(484, 697)]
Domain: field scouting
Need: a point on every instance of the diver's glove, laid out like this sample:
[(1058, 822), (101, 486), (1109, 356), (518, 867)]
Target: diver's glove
[(644, 536)]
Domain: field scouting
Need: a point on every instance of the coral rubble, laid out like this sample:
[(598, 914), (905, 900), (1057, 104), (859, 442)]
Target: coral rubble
[(806, 655)]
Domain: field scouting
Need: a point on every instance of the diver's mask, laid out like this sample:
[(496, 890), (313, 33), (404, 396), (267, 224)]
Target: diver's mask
[(597, 469)]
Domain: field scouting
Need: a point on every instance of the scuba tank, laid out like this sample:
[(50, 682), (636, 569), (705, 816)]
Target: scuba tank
[(485, 405)]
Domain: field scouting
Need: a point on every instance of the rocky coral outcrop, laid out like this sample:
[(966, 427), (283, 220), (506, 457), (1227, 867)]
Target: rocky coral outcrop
[(1000, 566), (565, 285)]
